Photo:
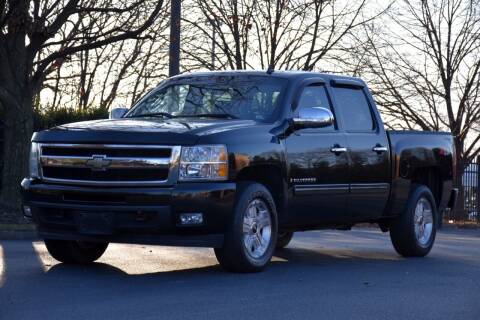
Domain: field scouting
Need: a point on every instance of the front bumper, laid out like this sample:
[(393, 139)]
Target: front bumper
[(130, 214)]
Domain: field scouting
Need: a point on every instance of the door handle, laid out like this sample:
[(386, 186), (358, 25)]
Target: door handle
[(379, 148), (337, 149)]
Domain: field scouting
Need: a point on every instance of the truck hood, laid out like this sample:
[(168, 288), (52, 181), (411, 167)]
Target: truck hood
[(181, 131)]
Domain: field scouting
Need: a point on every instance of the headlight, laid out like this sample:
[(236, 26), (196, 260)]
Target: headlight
[(34, 161), (204, 163)]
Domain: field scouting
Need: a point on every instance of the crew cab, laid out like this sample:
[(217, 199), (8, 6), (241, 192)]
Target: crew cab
[(237, 161)]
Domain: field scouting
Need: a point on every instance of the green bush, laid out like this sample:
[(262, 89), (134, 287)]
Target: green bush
[(51, 118)]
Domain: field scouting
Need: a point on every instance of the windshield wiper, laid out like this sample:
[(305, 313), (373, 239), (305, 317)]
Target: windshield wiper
[(154, 114), (209, 115)]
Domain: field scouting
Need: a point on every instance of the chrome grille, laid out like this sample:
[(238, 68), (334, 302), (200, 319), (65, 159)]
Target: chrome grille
[(86, 164)]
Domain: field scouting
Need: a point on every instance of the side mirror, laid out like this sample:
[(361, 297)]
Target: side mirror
[(315, 117), (117, 112)]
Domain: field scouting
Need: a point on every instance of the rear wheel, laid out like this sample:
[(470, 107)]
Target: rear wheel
[(250, 239), (78, 252), (413, 233), (283, 239)]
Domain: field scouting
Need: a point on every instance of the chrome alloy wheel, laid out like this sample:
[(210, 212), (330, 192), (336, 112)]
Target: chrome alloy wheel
[(423, 222), (257, 228)]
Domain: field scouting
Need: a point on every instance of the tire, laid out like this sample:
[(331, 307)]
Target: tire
[(250, 237), (283, 239), (75, 252), (413, 234)]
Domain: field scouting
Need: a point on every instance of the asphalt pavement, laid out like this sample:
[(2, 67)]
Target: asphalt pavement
[(320, 275)]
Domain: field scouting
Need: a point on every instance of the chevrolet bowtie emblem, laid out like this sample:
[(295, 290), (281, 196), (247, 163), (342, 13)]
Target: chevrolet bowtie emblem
[(98, 162)]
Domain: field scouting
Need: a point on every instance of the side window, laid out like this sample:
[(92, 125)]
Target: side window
[(315, 95), (353, 105)]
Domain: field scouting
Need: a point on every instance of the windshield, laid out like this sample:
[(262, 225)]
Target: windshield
[(236, 97)]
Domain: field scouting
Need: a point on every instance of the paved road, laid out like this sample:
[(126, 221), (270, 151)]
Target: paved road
[(322, 275)]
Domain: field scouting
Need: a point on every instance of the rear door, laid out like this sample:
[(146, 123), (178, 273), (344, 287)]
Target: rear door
[(368, 151), (317, 175)]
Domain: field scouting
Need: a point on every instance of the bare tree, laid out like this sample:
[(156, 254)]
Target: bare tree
[(425, 67), (225, 25), (115, 73), (281, 29), (36, 37), (283, 34)]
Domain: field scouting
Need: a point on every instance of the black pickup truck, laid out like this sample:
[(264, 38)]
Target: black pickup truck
[(237, 161)]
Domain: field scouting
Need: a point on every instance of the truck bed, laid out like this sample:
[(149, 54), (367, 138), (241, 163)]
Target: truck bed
[(413, 152)]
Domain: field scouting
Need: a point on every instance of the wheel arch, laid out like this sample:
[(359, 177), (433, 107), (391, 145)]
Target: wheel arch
[(271, 177), (430, 177)]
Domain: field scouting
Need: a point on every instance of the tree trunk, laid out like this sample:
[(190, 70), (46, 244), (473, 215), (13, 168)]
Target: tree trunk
[(17, 101), (18, 132)]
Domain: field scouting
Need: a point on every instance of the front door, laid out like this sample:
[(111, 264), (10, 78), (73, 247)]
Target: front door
[(318, 166)]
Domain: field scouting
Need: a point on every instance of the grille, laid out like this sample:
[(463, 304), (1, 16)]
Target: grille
[(124, 152), (109, 164)]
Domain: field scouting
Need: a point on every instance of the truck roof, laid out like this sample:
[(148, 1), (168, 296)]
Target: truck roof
[(291, 74)]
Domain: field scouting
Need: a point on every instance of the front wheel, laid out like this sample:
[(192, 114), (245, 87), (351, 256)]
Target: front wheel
[(413, 233), (250, 239), (75, 252)]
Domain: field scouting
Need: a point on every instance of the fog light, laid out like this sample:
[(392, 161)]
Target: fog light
[(188, 219), (27, 211)]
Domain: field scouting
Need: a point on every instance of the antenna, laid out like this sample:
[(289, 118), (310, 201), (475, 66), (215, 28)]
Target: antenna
[(270, 69)]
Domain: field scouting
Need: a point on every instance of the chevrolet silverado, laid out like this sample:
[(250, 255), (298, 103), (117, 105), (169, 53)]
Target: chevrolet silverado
[(237, 161)]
